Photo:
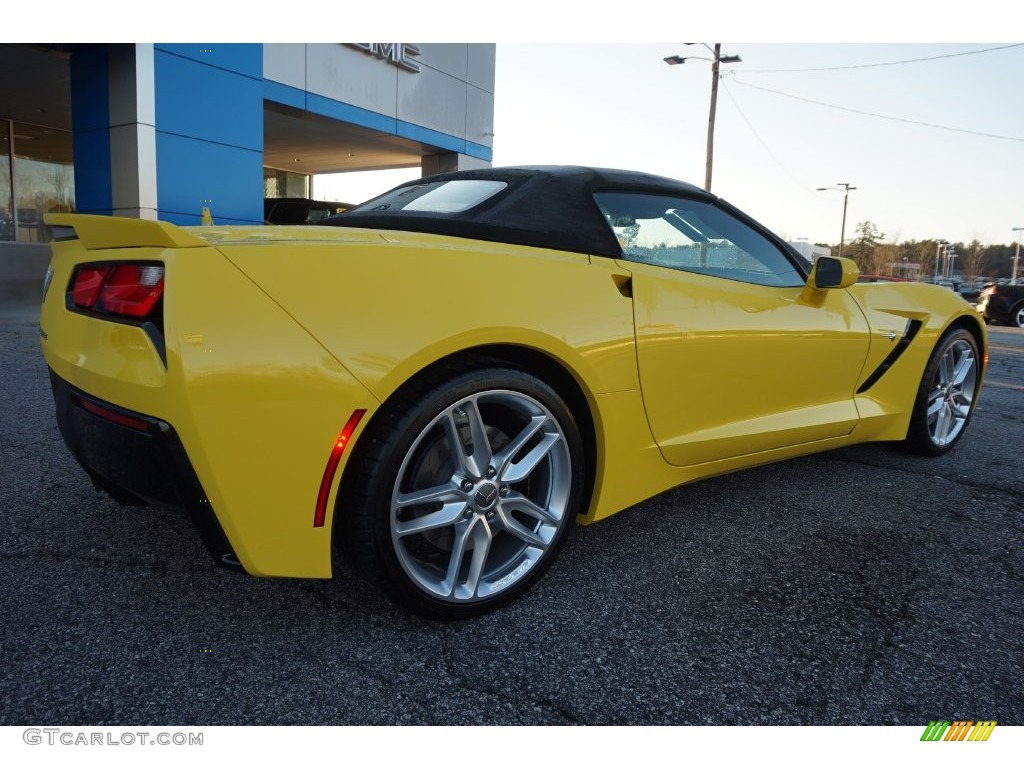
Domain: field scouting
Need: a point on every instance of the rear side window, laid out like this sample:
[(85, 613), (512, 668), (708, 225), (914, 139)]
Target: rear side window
[(435, 197), (694, 236)]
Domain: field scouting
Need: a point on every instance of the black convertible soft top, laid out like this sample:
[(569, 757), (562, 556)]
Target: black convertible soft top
[(547, 206)]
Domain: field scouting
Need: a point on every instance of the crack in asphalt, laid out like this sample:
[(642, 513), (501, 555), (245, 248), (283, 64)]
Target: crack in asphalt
[(544, 703), (456, 677), (967, 482)]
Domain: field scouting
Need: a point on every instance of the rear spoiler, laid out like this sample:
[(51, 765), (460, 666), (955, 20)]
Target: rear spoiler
[(97, 232)]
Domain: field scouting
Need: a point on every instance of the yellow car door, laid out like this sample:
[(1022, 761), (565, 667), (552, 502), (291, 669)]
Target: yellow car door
[(729, 369), (735, 355)]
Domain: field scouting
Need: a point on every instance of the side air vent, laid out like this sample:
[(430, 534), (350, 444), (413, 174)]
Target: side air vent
[(909, 332)]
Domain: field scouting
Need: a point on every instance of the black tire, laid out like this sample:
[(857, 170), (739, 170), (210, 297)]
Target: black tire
[(1016, 316), (515, 501), (946, 396)]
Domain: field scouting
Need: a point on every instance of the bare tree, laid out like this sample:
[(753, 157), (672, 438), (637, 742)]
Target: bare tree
[(60, 178), (973, 256)]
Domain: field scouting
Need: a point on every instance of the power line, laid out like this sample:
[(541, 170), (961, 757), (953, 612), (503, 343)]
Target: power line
[(875, 114), (763, 143), (891, 63)]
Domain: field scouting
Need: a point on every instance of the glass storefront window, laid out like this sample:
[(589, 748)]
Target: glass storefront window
[(44, 179), (284, 183), (6, 211)]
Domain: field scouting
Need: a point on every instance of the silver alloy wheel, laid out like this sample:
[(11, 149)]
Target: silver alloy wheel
[(1017, 317), (952, 393), (481, 493)]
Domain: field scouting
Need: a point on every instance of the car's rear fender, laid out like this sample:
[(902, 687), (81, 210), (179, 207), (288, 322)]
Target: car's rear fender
[(257, 402), (556, 314)]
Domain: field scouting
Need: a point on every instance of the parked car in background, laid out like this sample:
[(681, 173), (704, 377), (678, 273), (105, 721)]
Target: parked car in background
[(971, 294), (299, 210), (882, 279), (1002, 303)]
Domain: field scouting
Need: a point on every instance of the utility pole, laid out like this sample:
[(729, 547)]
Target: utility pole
[(845, 188), (716, 61), (711, 116)]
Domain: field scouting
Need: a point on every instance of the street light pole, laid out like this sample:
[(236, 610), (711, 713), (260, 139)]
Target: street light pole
[(1016, 256), (846, 197), (716, 61), (938, 258)]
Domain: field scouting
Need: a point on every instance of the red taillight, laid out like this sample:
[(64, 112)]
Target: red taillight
[(132, 290), (320, 515), (129, 290), (87, 285)]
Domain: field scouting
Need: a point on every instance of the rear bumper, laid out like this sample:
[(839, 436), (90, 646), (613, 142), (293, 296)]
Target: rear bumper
[(994, 308), (136, 459)]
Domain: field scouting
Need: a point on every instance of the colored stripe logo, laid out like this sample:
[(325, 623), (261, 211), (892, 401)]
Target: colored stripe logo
[(958, 730)]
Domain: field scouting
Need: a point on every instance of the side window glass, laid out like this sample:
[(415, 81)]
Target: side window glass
[(693, 236)]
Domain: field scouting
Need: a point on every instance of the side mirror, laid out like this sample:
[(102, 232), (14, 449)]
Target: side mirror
[(832, 272)]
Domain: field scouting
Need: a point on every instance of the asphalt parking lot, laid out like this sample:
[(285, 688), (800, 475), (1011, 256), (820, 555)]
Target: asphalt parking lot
[(863, 586)]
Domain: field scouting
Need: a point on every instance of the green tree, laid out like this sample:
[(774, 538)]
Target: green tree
[(868, 234), (864, 249)]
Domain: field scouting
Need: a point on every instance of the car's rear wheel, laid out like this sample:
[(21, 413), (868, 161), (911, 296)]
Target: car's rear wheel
[(460, 497), (946, 396)]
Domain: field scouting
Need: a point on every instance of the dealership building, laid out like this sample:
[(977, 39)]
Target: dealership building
[(162, 131)]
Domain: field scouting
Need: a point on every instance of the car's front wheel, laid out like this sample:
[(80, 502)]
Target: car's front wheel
[(946, 396), (460, 496)]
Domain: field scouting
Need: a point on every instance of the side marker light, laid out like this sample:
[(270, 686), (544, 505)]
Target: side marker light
[(320, 515)]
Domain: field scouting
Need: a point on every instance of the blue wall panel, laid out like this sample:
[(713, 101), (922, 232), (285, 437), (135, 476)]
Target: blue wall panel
[(208, 103), (90, 118), (428, 136), (480, 151), (90, 92), (192, 174), (93, 187), (339, 110), (209, 123), (243, 58), (284, 94)]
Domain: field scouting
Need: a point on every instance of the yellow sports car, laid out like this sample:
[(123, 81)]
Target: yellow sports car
[(440, 381)]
